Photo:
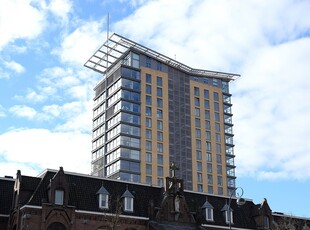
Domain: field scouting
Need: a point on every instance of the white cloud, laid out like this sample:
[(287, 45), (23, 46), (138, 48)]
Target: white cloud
[(23, 111), (271, 112), (262, 40), (61, 8), (26, 146), (78, 46), (27, 21), (16, 67), (4, 74)]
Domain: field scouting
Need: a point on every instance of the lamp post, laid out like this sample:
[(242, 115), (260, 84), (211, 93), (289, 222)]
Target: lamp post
[(240, 201)]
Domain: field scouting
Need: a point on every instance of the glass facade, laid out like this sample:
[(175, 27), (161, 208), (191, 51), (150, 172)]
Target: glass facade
[(148, 114)]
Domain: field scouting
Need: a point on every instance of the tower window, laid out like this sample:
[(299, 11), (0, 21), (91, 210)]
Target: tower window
[(59, 197)]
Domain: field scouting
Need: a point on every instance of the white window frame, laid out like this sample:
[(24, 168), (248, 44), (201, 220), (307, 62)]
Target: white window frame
[(209, 211), (59, 197), (106, 198), (231, 217), (128, 204)]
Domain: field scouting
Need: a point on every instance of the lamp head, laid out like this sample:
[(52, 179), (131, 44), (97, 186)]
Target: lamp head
[(240, 201)]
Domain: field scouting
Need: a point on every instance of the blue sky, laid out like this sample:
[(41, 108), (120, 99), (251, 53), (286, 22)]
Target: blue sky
[(46, 93)]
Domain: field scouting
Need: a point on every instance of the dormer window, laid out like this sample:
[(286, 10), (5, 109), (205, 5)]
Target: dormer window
[(103, 198), (209, 214), (266, 222), (128, 201), (229, 217), (128, 204), (103, 201), (208, 208), (59, 197), (228, 214)]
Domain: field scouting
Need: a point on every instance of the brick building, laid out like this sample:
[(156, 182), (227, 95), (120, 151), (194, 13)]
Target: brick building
[(58, 200)]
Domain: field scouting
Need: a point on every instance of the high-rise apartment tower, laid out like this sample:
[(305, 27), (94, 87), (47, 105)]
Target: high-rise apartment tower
[(150, 111)]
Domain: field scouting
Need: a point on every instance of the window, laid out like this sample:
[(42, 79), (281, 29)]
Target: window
[(159, 92), (148, 89), (210, 189), (208, 146), (197, 102), (208, 135), (160, 182), (148, 169), (148, 62), (148, 100), (219, 181), (220, 191), (207, 114), (216, 116), (148, 78), (148, 122), (160, 136), (148, 157), (209, 157), (159, 114), (148, 145), (159, 81), (216, 96), (59, 197), (159, 125), (196, 91), (160, 147), (266, 222), (159, 66), (218, 148), (217, 127), (218, 159), (159, 102), (216, 106), (160, 159), (197, 122), (199, 187), (218, 137), (198, 133), (219, 169), (229, 216), (209, 168), (207, 104), (148, 179), (210, 179), (148, 134), (128, 204), (206, 93), (198, 155), (199, 177), (198, 144), (148, 111), (199, 166), (103, 201), (209, 214), (197, 112), (160, 171), (207, 125)]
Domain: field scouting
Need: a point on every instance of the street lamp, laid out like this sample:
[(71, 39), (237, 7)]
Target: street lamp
[(240, 201)]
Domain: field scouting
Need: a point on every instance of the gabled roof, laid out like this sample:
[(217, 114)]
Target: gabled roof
[(103, 191), (84, 189)]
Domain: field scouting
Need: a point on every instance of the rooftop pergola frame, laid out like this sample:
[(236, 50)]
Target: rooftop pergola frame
[(116, 46)]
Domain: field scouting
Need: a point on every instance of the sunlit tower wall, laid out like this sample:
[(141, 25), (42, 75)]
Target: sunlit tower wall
[(150, 110)]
